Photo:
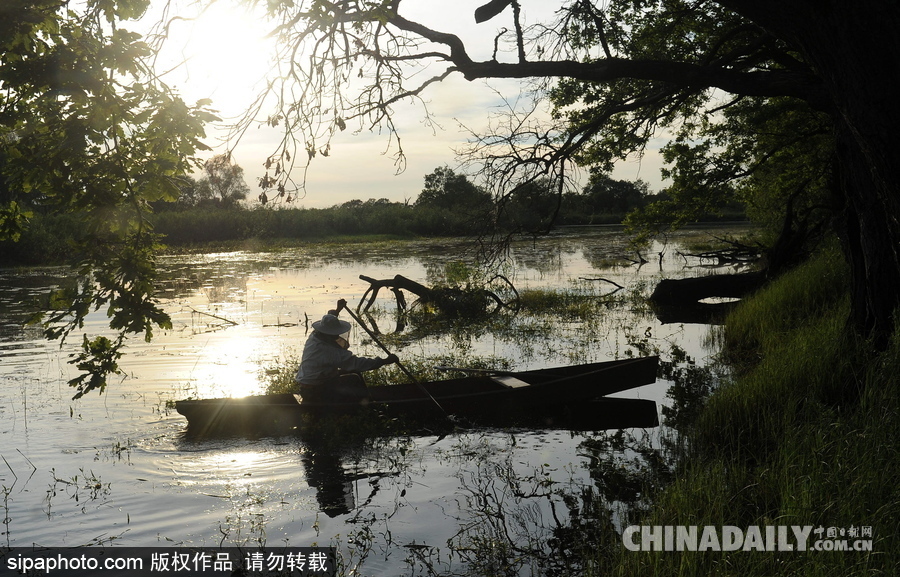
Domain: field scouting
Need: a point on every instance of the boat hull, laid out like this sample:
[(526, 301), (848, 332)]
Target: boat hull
[(573, 394)]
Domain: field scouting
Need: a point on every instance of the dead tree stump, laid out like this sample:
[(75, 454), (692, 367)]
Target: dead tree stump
[(449, 300)]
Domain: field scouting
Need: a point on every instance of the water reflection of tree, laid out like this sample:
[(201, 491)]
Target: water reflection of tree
[(515, 520), (509, 514), (518, 519), (509, 517)]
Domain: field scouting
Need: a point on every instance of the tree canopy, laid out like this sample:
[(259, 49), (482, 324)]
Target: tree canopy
[(444, 188), (222, 183), (608, 195), (86, 127)]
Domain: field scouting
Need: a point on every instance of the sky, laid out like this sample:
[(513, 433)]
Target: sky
[(223, 54)]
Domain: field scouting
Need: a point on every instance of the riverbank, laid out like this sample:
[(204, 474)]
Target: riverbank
[(806, 435)]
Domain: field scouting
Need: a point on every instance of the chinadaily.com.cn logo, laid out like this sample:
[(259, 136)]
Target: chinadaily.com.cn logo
[(752, 538)]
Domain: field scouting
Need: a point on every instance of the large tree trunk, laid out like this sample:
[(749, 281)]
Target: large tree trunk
[(854, 48), (870, 238)]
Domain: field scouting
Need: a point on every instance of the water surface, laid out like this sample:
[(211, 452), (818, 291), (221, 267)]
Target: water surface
[(117, 469)]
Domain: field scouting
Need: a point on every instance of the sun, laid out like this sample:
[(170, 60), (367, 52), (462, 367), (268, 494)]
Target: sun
[(229, 366), (220, 51)]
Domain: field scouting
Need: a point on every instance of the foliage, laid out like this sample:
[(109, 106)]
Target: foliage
[(355, 218), (608, 195), (448, 190), (772, 156), (98, 359), (46, 239), (86, 128), (54, 238), (625, 70), (531, 208), (222, 183), (12, 221), (785, 442)]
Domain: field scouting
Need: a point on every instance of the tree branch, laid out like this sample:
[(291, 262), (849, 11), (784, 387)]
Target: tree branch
[(685, 74), (752, 83)]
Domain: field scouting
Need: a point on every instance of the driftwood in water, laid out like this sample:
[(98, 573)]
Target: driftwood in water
[(679, 300), (396, 285), (675, 292), (736, 253), (450, 300)]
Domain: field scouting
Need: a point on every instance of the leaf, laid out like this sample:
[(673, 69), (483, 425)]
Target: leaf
[(98, 359), (13, 221), (493, 8)]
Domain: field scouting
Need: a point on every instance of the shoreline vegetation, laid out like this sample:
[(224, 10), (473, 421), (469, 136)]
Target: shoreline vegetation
[(806, 432), (51, 238)]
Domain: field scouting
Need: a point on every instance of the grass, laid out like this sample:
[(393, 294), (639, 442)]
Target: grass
[(815, 291), (582, 301), (561, 303), (280, 378), (807, 434)]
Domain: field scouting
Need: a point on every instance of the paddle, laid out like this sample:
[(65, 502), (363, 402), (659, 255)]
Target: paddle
[(485, 371), (342, 305), (479, 371)]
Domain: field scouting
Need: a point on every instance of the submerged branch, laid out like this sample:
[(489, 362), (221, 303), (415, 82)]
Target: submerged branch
[(223, 319), (454, 301), (599, 279)]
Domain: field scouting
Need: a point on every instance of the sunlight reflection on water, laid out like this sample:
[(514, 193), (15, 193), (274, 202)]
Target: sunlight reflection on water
[(234, 315)]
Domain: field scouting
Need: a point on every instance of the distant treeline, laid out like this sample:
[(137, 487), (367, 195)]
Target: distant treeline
[(372, 217), (50, 238), (449, 205)]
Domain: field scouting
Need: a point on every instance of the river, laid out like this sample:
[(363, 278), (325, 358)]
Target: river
[(117, 470)]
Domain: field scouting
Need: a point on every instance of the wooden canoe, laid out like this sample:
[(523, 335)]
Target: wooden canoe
[(542, 395)]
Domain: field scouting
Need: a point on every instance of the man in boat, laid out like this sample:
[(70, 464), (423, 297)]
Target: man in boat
[(329, 372)]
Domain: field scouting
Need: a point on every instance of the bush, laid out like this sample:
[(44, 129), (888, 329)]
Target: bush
[(48, 239)]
